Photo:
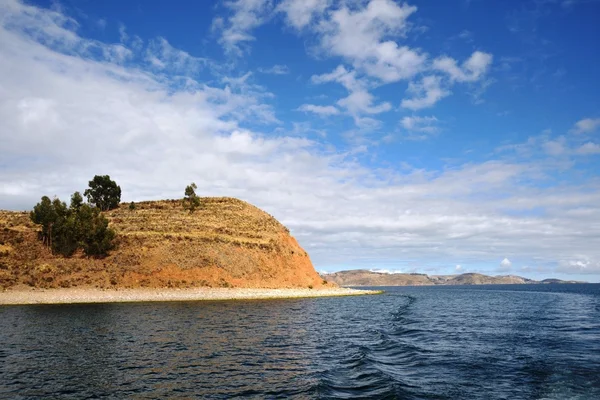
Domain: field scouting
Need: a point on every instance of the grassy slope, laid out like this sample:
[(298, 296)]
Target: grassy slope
[(227, 242)]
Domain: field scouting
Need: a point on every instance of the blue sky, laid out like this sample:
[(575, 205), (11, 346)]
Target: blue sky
[(436, 137)]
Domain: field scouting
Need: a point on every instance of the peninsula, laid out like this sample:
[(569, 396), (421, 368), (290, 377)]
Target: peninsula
[(225, 249)]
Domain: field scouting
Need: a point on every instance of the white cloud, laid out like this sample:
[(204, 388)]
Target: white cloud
[(458, 268), (246, 15), (368, 36), (123, 36), (275, 70), (360, 37), (466, 35), (505, 264), (589, 148), (340, 75), (321, 110), (300, 13), (359, 101), (582, 265), (564, 147), (420, 124), (161, 55), (556, 147), (478, 89), (386, 271), (425, 93), (471, 70), (586, 125), (239, 81)]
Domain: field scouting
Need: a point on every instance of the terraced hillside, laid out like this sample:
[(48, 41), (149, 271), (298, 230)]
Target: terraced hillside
[(225, 243)]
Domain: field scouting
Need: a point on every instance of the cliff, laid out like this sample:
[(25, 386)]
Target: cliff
[(225, 243), (363, 277)]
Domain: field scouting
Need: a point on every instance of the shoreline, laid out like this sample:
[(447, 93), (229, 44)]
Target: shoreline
[(92, 295)]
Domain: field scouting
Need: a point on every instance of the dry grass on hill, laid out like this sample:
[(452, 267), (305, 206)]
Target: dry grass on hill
[(225, 243)]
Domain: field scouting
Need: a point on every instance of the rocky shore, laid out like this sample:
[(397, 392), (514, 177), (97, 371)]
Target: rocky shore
[(79, 295)]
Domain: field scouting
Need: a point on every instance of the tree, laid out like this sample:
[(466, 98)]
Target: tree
[(76, 201), (96, 238), (191, 201), (66, 229), (103, 193), (65, 232), (132, 206), (44, 214)]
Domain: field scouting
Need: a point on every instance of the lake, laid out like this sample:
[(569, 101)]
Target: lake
[(465, 342)]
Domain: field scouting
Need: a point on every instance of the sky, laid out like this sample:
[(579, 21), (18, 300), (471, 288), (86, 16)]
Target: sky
[(433, 137)]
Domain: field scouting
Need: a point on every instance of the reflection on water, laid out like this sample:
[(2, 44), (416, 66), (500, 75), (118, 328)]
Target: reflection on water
[(436, 342)]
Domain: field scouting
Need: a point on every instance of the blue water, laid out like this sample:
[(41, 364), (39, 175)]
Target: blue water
[(467, 342)]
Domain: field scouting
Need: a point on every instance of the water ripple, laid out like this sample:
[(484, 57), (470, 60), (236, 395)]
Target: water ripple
[(536, 342)]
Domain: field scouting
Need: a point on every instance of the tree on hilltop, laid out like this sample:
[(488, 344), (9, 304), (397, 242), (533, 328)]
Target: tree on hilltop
[(191, 201), (103, 193)]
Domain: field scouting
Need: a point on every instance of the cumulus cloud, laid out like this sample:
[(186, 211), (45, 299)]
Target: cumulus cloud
[(505, 264), (368, 36), (586, 125), (360, 37)]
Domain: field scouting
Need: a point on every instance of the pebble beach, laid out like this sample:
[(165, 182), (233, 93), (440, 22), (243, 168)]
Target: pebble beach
[(84, 295)]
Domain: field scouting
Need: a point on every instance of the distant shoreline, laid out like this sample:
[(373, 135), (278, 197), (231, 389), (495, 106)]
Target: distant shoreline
[(92, 295), (363, 277)]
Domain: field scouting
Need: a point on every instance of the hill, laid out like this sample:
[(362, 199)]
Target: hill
[(363, 277), (225, 243)]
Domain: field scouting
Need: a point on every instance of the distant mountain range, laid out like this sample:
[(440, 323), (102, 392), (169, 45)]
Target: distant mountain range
[(362, 277)]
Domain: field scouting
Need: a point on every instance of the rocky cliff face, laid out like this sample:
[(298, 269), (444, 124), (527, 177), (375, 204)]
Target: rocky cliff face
[(225, 243), (363, 277)]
